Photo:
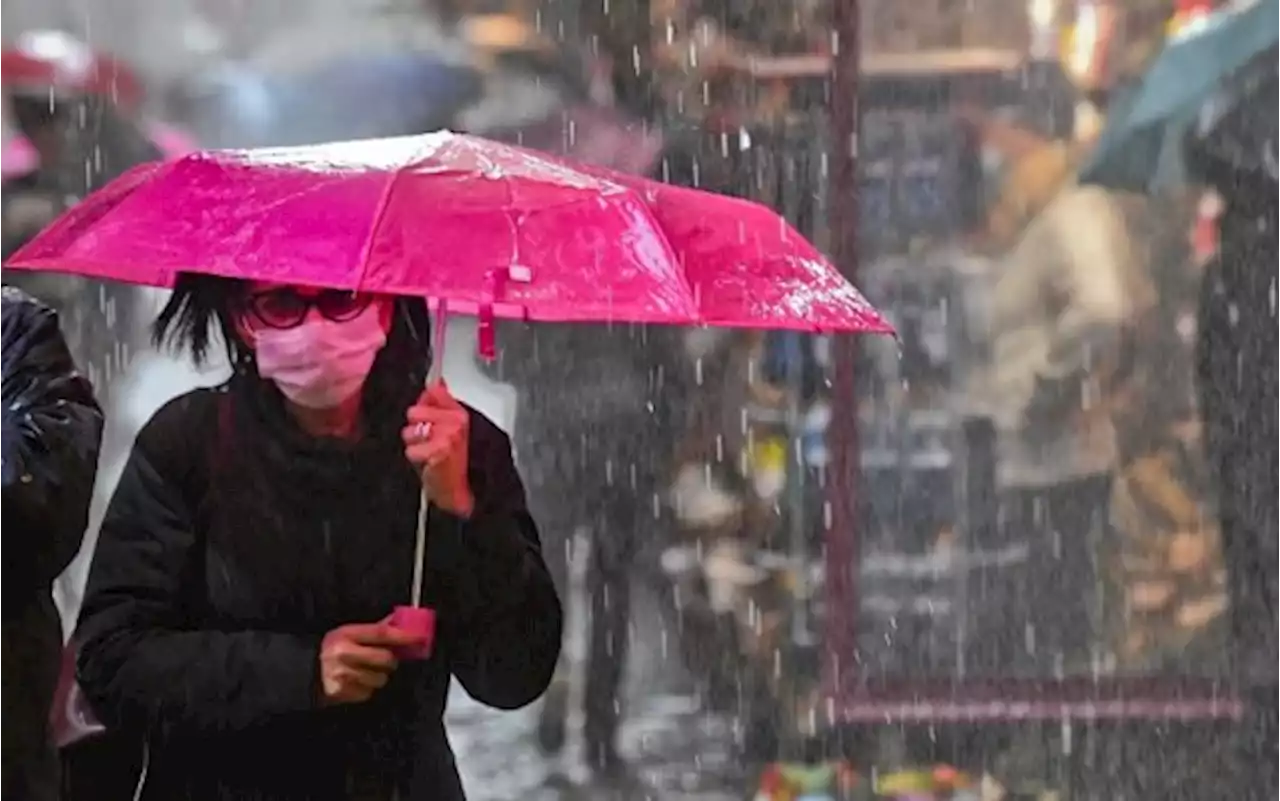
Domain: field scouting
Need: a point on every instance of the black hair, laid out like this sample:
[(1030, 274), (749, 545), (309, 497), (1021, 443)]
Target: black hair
[(202, 303), (198, 303)]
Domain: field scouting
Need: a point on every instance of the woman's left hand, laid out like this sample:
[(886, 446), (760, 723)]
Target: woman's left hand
[(436, 442)]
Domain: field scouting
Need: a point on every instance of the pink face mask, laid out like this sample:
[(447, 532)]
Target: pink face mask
[(320, 363)]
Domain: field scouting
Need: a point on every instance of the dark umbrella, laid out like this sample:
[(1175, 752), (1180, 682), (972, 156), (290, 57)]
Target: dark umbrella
[(391, 93)]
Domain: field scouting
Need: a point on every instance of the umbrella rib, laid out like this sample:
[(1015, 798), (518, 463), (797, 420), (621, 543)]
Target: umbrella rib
[(380, 213), (678, 259)]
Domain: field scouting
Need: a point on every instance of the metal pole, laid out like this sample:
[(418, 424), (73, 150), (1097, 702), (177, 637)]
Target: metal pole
[(845, 464)]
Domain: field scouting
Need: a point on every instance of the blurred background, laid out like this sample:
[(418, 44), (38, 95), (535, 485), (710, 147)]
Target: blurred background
[(982, 560)]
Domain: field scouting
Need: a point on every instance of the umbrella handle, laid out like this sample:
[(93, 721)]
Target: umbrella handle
[(434, 374), (436, 371), (420, 549)]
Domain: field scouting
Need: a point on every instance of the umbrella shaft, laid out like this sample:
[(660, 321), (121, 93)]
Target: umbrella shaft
[(436, 371)]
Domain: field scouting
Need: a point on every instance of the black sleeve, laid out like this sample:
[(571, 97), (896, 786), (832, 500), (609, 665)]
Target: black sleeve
[(141, 663), (1220, 341), (51, 434), (501, 618)]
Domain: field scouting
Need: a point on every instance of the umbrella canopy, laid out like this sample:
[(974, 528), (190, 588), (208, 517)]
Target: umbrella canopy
[(485, 227), (1141, 147)]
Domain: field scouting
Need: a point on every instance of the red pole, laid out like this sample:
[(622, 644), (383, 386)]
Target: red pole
[(842, 436)]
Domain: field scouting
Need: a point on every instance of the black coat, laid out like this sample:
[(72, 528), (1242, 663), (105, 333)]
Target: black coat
[(201, 627), (52, 430), (597, 415)]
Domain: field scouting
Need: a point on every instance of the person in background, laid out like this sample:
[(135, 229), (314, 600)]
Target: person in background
[(593, 439), (594, 417), (1100, 447), (1238, 371), (236, 613), (51, 434), (1056, 310), (77, 110), (82, 140), (34, 197)]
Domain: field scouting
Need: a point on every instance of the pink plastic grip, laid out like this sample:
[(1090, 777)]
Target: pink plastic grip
[(416, 620)]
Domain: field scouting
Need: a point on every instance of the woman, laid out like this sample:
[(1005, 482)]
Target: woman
[(1056, 312), (236, 611)]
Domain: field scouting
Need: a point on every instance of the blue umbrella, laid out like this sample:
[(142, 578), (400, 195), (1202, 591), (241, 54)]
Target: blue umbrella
[(1141, 147), (389, 94), (351, 97)]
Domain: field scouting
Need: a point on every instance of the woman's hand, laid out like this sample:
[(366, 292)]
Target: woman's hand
[(356, 660), (435, 441)]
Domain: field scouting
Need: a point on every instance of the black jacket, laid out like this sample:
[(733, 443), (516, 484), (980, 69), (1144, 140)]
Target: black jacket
[(51, 433), (203, 630), (1237, 378)]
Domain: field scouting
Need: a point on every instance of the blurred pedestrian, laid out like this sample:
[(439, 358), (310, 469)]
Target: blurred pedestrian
[(52, 431), (1236, 153), (66, 106), (1055, 315), (236, 615), (1238, 361), (595, 413), (77, 110), (594, 437), (32, 197)]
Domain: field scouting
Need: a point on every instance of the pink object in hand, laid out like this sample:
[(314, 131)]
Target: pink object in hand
[(415, 620)]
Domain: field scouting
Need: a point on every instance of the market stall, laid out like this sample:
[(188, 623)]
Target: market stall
[(908, 683)]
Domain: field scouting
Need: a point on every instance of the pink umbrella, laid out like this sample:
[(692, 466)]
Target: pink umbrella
[(18, 157), (483, 227)]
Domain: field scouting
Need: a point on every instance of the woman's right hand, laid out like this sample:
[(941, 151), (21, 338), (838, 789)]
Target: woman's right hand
[(357, 660)]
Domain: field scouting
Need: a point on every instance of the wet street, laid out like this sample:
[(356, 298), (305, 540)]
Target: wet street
[(677, 751), (675, 748)]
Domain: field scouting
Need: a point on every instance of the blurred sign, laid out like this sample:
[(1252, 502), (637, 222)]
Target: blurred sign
[(1090, 47)]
